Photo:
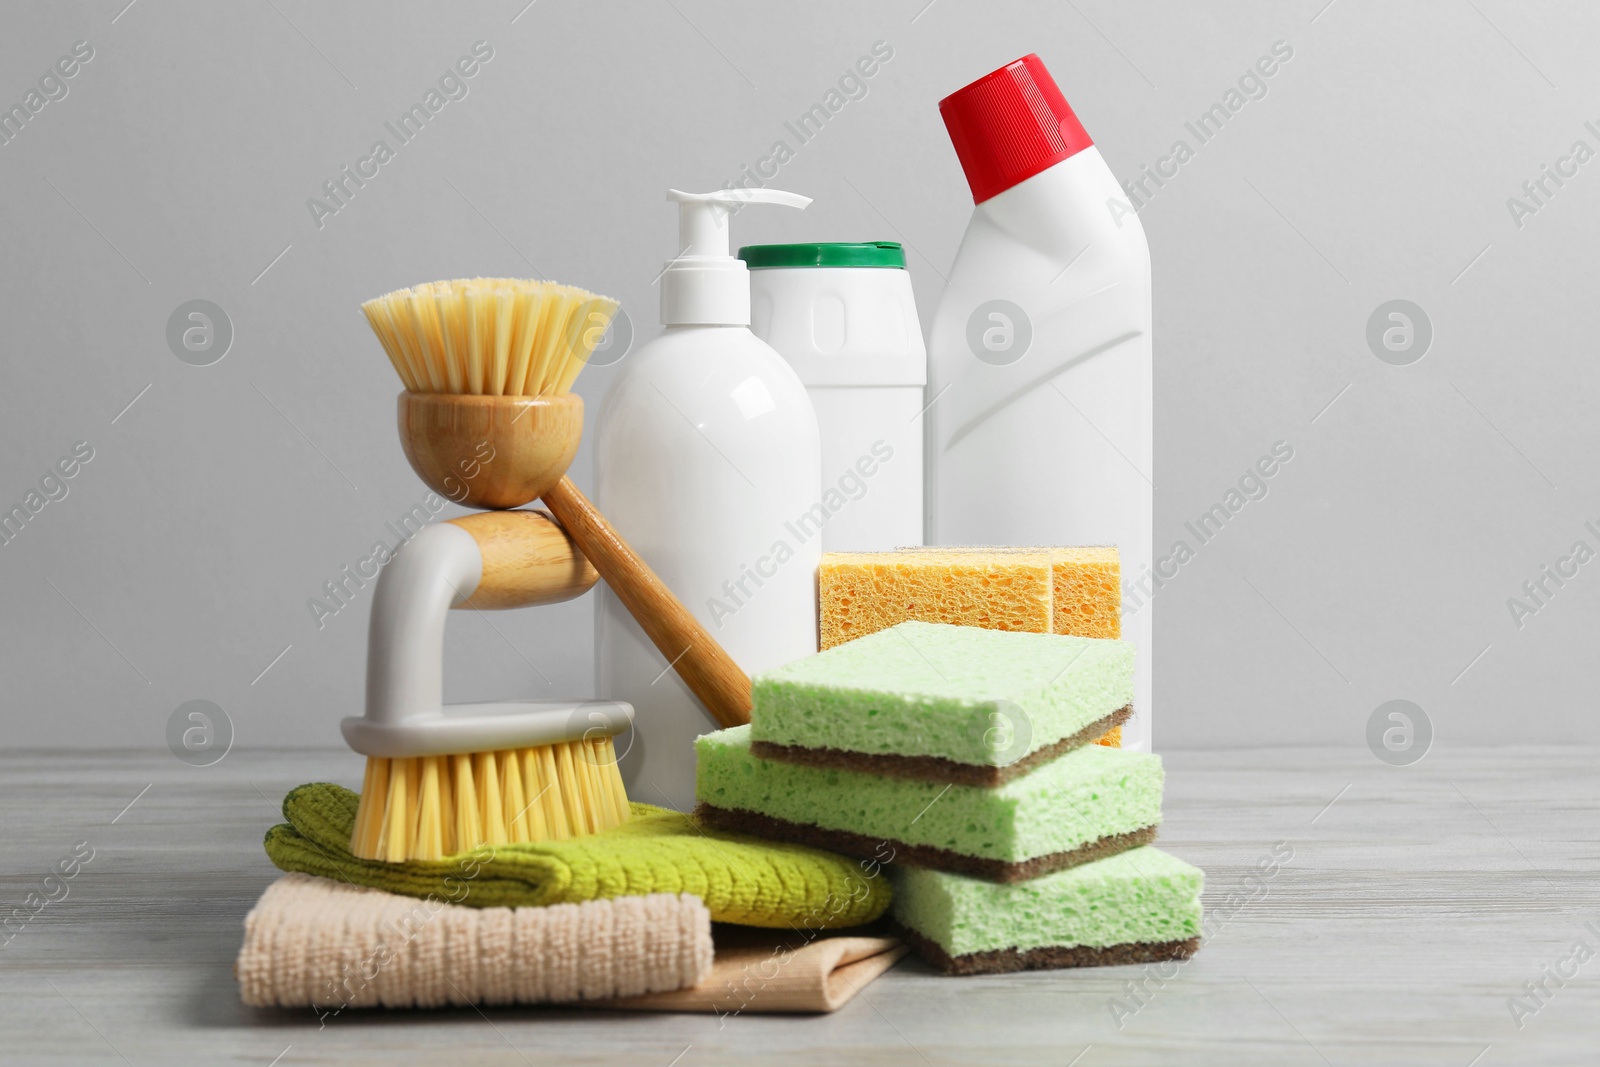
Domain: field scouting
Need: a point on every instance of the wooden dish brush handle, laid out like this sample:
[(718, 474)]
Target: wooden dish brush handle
[(705, 667), (527, 559)]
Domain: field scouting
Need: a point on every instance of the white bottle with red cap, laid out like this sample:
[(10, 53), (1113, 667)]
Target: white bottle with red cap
[(1039, 357)]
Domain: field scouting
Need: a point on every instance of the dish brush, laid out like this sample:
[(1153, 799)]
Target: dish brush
[(444, 779), (488, 364)]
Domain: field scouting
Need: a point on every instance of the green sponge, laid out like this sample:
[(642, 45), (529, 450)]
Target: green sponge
[(1136, 907), (1089, 803), (943, 703)]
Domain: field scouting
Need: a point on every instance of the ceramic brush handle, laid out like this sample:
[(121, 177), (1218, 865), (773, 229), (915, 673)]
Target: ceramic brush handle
[(708, 670)]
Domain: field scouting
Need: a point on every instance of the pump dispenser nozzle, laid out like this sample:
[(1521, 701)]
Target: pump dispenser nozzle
[(706, 285)]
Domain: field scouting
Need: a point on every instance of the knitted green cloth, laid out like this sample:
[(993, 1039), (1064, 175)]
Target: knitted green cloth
[(741, 879)]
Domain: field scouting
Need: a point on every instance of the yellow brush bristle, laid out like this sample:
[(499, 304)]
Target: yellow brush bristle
[(430, 807), (489, 336)]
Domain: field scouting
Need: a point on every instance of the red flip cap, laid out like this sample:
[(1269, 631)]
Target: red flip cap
[(1009, 125)]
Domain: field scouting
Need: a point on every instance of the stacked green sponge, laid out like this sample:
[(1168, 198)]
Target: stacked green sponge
[(963, 756)]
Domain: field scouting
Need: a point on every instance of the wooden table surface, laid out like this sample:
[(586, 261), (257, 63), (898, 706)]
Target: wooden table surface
[(1418, 903)]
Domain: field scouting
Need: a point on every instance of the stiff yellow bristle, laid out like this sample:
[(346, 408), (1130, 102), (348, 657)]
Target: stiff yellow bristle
[(489, 336), (430, 807)]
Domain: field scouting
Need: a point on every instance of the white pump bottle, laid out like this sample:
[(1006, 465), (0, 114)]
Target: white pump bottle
[(707, 461)]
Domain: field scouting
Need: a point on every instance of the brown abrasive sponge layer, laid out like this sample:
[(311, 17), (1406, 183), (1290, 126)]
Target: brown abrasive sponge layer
[(938, 768), (1048, 958), (940, 859)]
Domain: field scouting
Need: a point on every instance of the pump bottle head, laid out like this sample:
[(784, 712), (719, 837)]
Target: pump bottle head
[(706, 285)]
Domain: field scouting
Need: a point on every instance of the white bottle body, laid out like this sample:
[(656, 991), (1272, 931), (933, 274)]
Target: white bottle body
[(1054, 445), (707, 462), (852, 335)]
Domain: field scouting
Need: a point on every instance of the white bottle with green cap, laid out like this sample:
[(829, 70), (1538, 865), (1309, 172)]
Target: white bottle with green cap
[(844, 317), (707, 463)]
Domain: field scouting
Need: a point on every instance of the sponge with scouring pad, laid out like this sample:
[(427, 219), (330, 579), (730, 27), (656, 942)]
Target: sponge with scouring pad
[(1089, 803), (1138, 906), (943, 703), (1060, 590)]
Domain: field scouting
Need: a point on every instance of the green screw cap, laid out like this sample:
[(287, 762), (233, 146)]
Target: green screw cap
[(828, 254)]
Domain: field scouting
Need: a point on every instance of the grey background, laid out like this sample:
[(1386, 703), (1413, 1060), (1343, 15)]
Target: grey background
[(1377, 167)]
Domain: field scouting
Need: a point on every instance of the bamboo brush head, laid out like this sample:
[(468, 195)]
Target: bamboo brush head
[(488, 419), (490, 451)]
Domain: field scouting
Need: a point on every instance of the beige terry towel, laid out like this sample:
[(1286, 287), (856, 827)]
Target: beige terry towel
[(329, 945)]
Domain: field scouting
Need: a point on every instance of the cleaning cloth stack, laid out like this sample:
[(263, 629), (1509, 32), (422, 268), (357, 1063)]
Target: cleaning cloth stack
[(963, 757), (622, 918)]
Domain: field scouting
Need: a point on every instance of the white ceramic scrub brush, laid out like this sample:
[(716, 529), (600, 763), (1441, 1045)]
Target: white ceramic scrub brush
[(441, 779)]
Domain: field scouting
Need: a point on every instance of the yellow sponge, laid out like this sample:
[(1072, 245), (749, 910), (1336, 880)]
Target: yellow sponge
[(860, 593), (1063, 590), (1086, 591)]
